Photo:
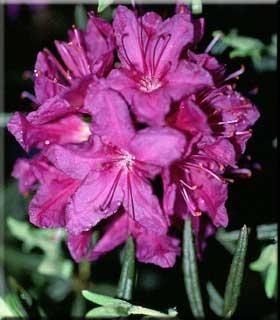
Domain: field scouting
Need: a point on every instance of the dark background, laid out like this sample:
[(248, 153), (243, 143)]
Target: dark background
[(251, 201)]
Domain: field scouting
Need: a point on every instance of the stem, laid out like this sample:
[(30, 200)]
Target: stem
[(126, 282), (190, 273)]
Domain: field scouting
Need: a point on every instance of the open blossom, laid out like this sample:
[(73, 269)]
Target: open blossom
[(161, 113), (60, 88), (115, 171), (151, 247), (151, 73)]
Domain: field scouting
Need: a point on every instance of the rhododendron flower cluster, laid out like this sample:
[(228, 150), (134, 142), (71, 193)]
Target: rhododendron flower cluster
[(133, 132)]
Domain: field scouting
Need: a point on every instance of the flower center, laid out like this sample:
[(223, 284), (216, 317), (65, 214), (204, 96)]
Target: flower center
[(126, 161), (149, 83)]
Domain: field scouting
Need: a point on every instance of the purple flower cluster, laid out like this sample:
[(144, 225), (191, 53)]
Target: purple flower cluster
[(124, 108)]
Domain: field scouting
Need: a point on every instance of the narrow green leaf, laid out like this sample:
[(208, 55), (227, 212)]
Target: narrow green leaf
[(235, 276), (104, 300), (190, 272), (80, 15), (271, 281), (107, 312), (126, 281), (148, 312), (6, 310), (103, 4), (216, 302)]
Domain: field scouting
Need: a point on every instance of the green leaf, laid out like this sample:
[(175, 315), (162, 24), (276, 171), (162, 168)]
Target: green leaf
[(80, 15), (190, 272), (103, 4), (107, 312), (271, 281), (196, 6), (10, 306), (104, 300), (216, 302), (267, 231), (4, 118), (267, 265), (148, 312), (235, 276), (112, 307), (126, 281)]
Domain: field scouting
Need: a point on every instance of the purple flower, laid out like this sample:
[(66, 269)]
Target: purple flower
[(151, 74), (116, 166), (195, 184), (107, 132), (60, 89), (47, 207), (150, 247)]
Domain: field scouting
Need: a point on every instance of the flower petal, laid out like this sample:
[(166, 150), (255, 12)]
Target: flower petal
[(97, 198), (110, 116), (79, 245), (70, 129), (23, 172), (99, 41), (157, 249), (47, 208), (158, 146), (188, 78), (115, 234), (142, 206)]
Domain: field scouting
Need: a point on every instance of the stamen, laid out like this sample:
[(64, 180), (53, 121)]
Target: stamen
[(111, 193), (125, 55), (213, 42), (188, 186), (191, 206), (235, 74), (130, 196), (57, 64), (166, 38), (200, 166), (29, 96)]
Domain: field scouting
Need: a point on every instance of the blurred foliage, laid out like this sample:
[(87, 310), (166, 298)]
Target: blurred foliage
[(267, 264), (111, 307), (264, 57)]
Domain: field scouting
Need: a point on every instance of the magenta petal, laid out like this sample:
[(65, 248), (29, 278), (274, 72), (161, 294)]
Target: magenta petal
[(74, 162), (125, 23), (188, 78), (115, 234), (23, 172), (157, 249), (179, 33), (110, 116), (70, 129), (100, 44), (211, 196), (52, 109), (79, 245), (158, 146), (151, 107), (143, 207), (219, 149), (189, 118), (45, 71), (97, 198), (47, 208)]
